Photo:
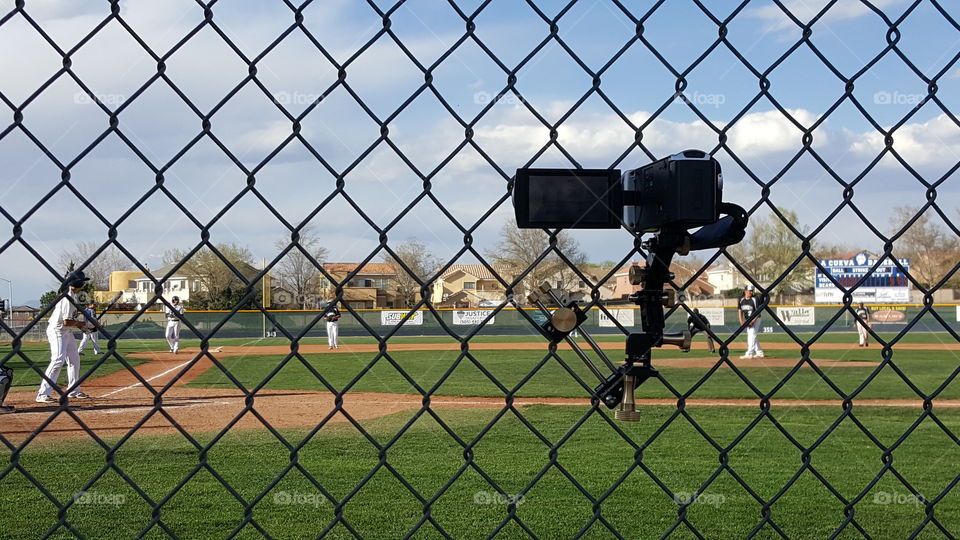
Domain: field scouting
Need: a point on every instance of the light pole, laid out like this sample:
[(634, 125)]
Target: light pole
[(10, 292)]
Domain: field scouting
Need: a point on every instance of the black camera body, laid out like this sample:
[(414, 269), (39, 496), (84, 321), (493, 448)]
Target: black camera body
[(684, 189)]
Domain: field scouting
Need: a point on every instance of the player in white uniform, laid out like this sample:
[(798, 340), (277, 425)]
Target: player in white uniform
[(333, 327), (863, 327), (747, 308), (174, 313), (63, 346), (90, 315)]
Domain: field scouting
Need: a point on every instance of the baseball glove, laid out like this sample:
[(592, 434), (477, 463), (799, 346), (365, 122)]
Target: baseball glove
[(89, 327)]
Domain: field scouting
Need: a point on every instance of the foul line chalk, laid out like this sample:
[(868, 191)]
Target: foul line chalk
[(132, 386)]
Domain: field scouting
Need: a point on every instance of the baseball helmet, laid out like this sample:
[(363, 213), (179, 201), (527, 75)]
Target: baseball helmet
[(175, 299), (75, 279), (749, 287)]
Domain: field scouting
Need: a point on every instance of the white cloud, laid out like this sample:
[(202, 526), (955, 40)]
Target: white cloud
[(934, 142), (775, 19), (600, 138), (770, 132)]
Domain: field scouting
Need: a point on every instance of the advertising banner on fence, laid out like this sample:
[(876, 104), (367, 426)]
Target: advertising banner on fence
[(887, 283), (888, 314), (393, 318), (471, 317), (797, 315), (623, 316), (714, 315)]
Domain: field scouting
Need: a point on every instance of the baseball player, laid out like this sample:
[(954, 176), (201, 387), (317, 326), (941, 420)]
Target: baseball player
[(63, 346), (863, 327), (90, 315), (748, 307), (174, 313), (6, 381), (333, 327)]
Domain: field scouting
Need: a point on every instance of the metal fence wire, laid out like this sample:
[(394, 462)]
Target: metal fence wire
[(549, 25)]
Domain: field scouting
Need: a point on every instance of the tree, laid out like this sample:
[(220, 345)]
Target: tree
[(48, 298), (519, 249), (296, 272), (221, 287), (421, 263), (770, 250), (100, 267), (933, 250)]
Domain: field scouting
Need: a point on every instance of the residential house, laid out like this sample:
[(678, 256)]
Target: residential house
[(120, 282), (700, 286), (466, 285), (21, 315), (370, 288), (137, 288), (177, 284), (724, 277), (579, 290)]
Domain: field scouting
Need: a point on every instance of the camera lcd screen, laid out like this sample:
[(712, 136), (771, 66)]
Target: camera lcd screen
[(568, 198)]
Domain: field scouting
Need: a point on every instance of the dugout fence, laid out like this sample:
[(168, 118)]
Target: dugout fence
[(802, 24)]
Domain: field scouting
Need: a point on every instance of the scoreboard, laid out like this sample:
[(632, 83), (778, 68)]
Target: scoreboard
[(886, 283)]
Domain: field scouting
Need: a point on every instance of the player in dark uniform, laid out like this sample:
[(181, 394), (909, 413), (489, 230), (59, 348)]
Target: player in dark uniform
[(747, 308), (333, 326)]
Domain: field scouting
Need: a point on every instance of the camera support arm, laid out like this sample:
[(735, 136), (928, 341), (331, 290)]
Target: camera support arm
[(618, 389)]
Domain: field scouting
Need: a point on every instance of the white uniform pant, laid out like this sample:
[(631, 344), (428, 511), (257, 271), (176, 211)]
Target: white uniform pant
[(864, 335), (333, 334), (173, 335), (63, 349), (92, 337), (753, 344)]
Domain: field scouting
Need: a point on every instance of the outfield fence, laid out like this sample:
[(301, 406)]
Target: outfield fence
[(800, 30), (461, 323)]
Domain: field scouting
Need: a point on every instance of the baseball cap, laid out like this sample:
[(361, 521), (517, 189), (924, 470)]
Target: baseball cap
[(749, 287), (75, 279)]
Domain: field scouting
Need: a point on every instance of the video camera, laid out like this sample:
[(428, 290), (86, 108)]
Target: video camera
[(683, 189), (667, 197)]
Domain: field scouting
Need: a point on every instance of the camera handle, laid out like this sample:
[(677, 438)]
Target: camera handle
[(618, 388)]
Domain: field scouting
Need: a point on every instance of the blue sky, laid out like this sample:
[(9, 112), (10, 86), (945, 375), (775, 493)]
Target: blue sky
[(295, 73)]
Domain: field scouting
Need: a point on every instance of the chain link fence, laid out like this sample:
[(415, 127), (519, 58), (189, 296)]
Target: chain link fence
[(664, 80)]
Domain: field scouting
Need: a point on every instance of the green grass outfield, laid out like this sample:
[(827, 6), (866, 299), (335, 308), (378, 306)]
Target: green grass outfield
[(39, 355), (512, 456), (926, 369)]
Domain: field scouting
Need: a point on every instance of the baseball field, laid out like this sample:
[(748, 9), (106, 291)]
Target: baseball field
[(252, 438)]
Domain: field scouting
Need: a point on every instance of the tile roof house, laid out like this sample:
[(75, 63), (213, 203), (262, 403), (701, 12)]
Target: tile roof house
[(371, 287)]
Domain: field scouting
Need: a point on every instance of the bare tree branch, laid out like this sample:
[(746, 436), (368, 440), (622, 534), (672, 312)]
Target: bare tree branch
[(518, 249), (420, 261), (296, 272), (98, 269)]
